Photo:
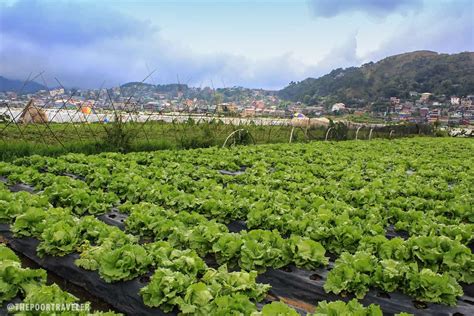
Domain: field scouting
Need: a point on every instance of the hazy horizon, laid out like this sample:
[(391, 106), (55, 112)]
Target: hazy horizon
[(255, 44)]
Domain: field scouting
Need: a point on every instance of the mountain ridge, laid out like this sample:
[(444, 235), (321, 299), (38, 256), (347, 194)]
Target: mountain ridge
[(397, 75), (19, 86)]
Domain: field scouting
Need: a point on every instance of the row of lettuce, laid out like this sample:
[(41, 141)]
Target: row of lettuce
[(425, 267), (180, 278), (50, 299), (422, 192), (339, 197), (31, 284)]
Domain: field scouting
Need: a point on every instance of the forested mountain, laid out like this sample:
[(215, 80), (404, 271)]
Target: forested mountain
[(19, 86), (421, 71)]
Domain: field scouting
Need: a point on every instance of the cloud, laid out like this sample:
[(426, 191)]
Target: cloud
[(118, 62), (331, 8), (83, 45), (68, 22), (342, 55), (436, 31)]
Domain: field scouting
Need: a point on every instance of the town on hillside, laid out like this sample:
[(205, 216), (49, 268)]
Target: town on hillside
[(178, 99)]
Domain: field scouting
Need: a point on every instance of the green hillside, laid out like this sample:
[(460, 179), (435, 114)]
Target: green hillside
[(20, 86), (421, 71)]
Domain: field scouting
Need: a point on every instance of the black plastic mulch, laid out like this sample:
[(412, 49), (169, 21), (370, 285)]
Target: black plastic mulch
[(122, 296), (296, 287)]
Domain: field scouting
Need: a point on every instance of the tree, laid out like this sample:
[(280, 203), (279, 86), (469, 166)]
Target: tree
[(306, 99), (217, 98), (380, 106)]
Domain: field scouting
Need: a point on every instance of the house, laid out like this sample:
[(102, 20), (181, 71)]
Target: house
[(466, 102), (11, 95), (152, 106), (232, 107), (394, 100), (56, 92), (434, 115), (227, 107), (278, 113), (258, 104), (338, 107), (455, 118), (273, 99), (313, 110), (248, 112), (407, 107), (455, 100), (425, 96), (424, 112), (397, 108), (188, 103), (274, 112), (469, 116), (404, 115)]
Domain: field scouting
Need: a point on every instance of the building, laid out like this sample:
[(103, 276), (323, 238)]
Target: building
[(455, 119), (56, 92), (279, 113), (258, 104), (248, 112), (11, 95), (466, 102), (425, 97), (434, 115), (394, 100), (455, 100), (273, 112), (424, 112), (338, 107), (404, 115), (227, 107), (313, 110), (152, 106)]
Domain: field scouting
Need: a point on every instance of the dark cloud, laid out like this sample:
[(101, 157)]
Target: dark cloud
[(118, 62), (331, 8), (83, 44), (68, 22)]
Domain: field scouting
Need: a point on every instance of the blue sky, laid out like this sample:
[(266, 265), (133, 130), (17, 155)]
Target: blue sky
[(262, 44)]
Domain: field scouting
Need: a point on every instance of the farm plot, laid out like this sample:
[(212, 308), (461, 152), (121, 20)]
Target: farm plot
[(324, 228)]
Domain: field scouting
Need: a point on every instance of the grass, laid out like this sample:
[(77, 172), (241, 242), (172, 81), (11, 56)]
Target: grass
[(14, 149), (57, 139)]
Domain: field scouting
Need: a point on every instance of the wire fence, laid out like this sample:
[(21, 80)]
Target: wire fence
[(111, 128), (63, 126)]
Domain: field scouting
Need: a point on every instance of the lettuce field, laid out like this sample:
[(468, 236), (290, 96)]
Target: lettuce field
[(377, 227)]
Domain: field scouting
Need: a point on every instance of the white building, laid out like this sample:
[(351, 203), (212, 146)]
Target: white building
[(455, 100), (56, 92), (338, 107)]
